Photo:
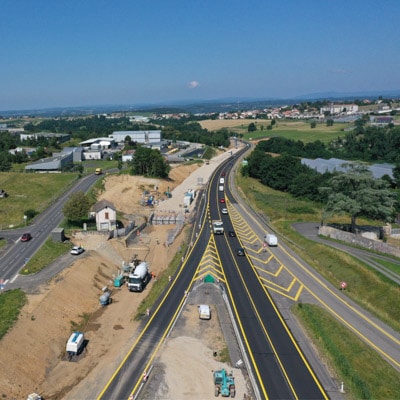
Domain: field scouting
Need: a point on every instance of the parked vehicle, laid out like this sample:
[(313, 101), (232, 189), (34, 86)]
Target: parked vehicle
[(34, 396), (76, 250), (204, 311), (138, 279), (75, 344), (105, 298), (224, 383), (218, 227), (271, 239), (26, 237)]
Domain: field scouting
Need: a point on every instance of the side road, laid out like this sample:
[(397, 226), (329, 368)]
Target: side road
[(310, 231)]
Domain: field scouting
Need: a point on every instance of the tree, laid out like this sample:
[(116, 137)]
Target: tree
[(150, 163), (313, 124), (358, 194), (252, 127), (77, 207)]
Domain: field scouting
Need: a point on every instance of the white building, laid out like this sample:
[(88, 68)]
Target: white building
[(335, 109), (143, 137)]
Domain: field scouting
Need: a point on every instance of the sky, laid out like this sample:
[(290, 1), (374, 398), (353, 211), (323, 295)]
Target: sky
[(96, 52)]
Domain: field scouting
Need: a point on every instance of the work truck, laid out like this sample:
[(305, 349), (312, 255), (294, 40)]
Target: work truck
[(139, 277), (218, 227)]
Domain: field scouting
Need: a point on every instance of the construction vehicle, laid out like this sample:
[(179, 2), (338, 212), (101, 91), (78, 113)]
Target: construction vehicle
[(224, 383), (105, 298), (139, 277), (75, 344), (218, 227), (34, 396)]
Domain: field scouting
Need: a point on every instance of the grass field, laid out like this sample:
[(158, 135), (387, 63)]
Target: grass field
[(295, 130), (29, 191)]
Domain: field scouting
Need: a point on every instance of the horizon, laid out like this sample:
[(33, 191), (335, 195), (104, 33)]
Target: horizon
[(79, 54)]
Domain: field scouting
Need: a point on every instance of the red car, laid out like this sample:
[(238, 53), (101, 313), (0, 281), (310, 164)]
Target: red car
[(222, 200), (26, 237)]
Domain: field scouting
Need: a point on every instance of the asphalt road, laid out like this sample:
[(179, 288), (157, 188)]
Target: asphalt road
[(16, 253)]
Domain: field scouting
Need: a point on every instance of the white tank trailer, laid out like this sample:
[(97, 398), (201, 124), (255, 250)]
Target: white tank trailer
[(139, 277)]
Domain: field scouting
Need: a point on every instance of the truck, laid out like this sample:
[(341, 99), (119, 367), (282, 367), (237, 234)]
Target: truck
[(271, 239), (139, 277), (218, 227), (75, 344)]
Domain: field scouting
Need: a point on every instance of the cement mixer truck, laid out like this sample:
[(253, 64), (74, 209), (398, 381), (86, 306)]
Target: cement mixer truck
[(139, 277)]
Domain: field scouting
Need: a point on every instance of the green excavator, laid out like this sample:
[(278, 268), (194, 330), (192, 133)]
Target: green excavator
[(224, 383)]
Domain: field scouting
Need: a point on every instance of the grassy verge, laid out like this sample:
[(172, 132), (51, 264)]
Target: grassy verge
[(11, 303), (163, 279), (364, 373), (369, 288), (49, 252)]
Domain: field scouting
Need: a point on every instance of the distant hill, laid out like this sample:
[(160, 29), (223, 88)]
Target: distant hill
[(201, 106)]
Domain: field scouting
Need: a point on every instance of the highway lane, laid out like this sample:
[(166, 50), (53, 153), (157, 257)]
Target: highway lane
[(16, 253), (128, 377), (285, 269), (281, 369)]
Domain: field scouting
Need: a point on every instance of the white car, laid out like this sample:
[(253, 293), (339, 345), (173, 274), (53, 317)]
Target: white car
[(204, 311), (76, 250), (224, 211)]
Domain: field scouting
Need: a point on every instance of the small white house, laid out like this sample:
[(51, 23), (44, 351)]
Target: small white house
[(106, 216)]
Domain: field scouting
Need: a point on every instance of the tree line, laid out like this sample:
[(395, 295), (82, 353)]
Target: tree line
[(369, 144), (354, 192)]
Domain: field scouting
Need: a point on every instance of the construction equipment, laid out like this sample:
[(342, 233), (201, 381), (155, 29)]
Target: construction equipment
[(34, 396), (168, 193), (224, 383)]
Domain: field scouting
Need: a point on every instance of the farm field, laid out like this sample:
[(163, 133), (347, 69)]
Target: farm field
[(295, 130)]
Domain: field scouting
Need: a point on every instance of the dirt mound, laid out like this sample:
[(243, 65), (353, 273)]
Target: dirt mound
[(32, 354)]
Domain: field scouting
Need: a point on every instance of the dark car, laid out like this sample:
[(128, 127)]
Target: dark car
[(232, 233), (240, 251), (222, 200), (223, 174), (26, 237)]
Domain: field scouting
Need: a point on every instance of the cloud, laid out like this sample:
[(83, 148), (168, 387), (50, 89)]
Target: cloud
[(341, 71), (193, 84)]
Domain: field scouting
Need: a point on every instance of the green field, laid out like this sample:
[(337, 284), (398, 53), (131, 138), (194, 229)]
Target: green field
[(299, 131), (29, 191)]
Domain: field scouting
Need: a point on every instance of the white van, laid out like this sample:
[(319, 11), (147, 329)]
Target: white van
[(204, 311), (221, 188), (271, 240)]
